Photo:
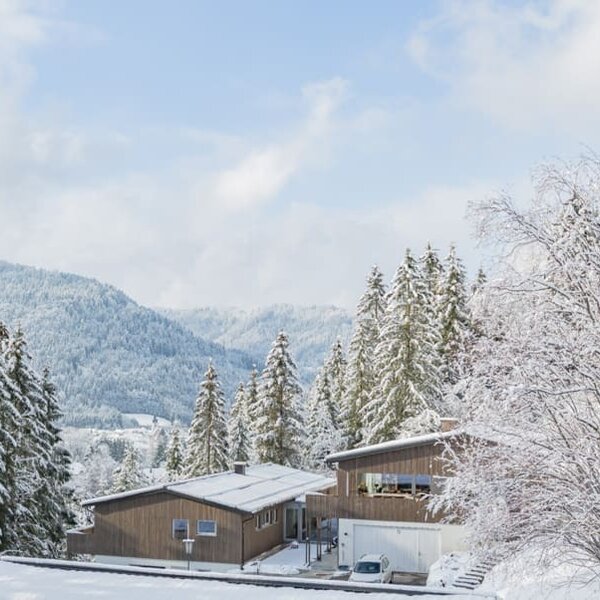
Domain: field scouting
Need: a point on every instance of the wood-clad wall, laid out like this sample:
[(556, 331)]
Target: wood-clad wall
[(419, 460), (257, 542), (141, 527)]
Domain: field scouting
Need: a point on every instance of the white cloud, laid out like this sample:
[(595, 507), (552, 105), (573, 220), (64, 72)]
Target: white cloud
[(261, 174), (531, 65), (198, 229)]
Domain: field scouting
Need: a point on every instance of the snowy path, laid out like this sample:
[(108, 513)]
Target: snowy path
[(22, 582)]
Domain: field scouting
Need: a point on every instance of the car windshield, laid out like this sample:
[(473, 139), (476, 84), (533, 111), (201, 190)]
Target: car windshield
[(367, 567)]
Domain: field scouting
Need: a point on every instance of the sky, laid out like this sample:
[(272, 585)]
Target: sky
[(245, 153)]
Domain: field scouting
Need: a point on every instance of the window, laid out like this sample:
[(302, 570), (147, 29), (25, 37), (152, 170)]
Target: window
[(206, 528), (393, 484), (180, 529), (266, 518)]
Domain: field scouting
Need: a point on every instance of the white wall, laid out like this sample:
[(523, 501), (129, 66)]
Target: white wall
[(406, 547)]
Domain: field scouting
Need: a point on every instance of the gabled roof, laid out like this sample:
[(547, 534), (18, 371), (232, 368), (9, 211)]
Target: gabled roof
[(412, 442), (262, 486)]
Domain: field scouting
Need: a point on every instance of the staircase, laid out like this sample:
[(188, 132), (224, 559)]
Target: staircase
[(473, 576)]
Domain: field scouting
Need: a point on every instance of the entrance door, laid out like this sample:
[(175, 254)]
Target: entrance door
[(291, 523)]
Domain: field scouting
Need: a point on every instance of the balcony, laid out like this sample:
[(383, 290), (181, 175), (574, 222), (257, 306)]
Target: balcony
[(370, 508)]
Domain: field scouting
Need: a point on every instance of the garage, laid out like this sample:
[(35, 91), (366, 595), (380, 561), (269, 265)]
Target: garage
[(410, 549)]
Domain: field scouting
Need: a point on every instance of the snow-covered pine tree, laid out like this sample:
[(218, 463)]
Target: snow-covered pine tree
[(251, 391), (9, 424), (55, 496), (335, 370), (27, 533), (323, 437), (174, 455), (433, 272), (128, 475), (406, 358), (454, 320), (207, 437), (279, 429), (239, 435), (360, 379)]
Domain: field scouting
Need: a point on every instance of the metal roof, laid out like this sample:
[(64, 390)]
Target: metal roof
[(262, 486), (411, 442)]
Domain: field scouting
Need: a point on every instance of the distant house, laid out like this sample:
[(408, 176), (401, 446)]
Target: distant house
[(232, 518), (381, 503)]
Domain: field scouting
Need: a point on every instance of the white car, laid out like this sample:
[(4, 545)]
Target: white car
[(372, 568)]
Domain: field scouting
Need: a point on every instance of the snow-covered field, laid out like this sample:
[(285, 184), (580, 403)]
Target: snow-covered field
[(21, 582)]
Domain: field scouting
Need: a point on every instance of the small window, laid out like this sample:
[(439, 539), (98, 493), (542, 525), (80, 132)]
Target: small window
[(180, 529), (206, 528), (274, 515)]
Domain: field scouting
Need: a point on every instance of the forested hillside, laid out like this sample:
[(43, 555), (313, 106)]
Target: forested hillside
[(312, 330), (107, 354)]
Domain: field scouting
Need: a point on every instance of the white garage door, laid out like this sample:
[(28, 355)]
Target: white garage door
[(408, 548)]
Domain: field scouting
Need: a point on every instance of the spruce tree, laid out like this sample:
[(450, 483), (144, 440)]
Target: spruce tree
[(9, 424), (433, 271), (207, 438), (335, 367), (239, 435), (55, 496), (323, 437), (360, 380), (27, 534), (128, 476), (279, 429), (454, 318), (406, 358), (251, 392), (174, 455)]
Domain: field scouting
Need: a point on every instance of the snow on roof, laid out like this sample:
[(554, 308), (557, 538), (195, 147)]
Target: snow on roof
[(262, 486), (411, 442)]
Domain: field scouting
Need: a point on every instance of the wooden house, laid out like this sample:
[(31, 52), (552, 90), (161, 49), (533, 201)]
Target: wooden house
[(232, 518), (381, 502)]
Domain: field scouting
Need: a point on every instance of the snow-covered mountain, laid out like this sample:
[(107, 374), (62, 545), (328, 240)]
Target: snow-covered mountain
[(108, 355), (312, 330)]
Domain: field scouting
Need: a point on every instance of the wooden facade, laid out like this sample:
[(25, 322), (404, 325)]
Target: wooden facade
[(140, 527), (349, 503)]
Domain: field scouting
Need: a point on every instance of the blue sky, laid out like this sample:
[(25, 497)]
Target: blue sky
[(245, 153)]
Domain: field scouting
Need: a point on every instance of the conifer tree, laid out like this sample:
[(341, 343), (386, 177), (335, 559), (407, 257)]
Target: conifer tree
[(360, 370), (323, 437), (279, 427), (128, 476), (54, 496), (433, 271), (207, 437), (251, 407), (454, 318), (174, 455), (26, 535), (335, 368), (239, 435), (9, 423), (407, 373)]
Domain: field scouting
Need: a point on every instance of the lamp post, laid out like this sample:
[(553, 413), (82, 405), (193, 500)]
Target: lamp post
[(188, 545)]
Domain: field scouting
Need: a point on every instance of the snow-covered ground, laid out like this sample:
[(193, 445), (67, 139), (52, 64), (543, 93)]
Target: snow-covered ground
[(22, 582), (291, 560), (522, 579)]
